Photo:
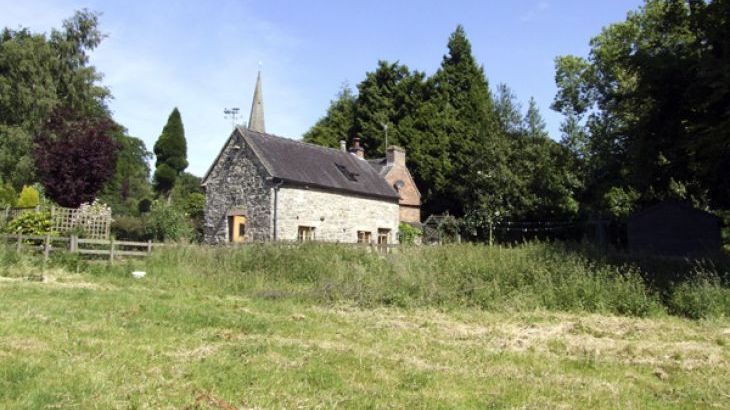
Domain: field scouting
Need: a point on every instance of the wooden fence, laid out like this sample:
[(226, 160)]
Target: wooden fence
[(111, 248), (63, 220), (100, 247)]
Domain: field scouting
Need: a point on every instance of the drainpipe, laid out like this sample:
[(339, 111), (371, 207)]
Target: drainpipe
[(277, 184)]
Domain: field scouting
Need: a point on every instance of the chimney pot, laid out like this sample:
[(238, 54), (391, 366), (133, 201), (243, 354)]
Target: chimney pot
[(343, 145), (356, 149)]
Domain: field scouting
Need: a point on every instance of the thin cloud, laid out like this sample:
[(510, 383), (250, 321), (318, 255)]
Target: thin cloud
[(536, 11)]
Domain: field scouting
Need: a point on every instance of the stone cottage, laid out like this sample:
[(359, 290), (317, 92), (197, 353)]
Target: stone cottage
[(262, 187)]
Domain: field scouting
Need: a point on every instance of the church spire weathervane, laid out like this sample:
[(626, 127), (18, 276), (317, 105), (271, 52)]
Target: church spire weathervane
[(256, 119)]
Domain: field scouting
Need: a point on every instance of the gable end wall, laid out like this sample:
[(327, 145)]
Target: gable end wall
[(238, 182)]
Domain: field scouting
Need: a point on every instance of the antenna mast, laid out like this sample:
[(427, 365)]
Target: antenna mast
[(232, 114)]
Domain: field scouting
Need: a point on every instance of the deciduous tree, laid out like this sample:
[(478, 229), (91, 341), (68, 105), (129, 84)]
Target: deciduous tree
[(75, 155), (39, 72)]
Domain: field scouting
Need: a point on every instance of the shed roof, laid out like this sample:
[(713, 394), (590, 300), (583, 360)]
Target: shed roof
[(675, 204)]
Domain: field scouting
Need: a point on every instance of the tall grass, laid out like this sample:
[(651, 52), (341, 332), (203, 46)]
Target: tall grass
[(527, 277)]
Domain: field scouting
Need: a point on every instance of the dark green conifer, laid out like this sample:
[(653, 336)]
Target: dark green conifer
[(171, 152), (337, 124)]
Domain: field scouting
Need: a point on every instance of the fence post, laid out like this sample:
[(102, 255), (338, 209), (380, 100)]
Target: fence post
[(46, 248), (149, 246), (20, 241), (491, 233), (111, 251), (73, 244)]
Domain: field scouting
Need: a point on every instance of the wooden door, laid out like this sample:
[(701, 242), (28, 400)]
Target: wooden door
[(237, 228)]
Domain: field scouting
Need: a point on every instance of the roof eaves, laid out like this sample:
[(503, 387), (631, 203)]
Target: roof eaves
[(394, 197)]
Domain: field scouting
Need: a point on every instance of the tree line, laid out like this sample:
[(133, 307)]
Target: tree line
[(646, 119), (58, 138), (471, 149)]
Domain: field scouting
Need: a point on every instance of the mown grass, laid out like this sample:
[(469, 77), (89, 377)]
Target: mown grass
[(326, 326)]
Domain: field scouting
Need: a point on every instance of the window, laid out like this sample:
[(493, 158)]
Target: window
[(363, 237), (383, 235), (305, 234), (352, 176)]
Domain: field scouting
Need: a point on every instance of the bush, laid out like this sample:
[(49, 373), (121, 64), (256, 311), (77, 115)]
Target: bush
[(7, 195), (130, 228), (194, 208), (194, 205), (30, 223), (702, 297), (166, 223), (407, 234), (29, 198)]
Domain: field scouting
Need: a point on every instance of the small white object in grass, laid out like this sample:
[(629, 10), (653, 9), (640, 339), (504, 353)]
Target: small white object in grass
[(138, 274)]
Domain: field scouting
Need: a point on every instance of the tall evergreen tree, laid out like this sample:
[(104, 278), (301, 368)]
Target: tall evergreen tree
[(508, 111), (130, 183), (534, 125), (338, 124), (387, 97), (474, 141), (171, 152)]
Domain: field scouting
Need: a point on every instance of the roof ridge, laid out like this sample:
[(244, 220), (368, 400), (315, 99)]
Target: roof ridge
[(309, 144)]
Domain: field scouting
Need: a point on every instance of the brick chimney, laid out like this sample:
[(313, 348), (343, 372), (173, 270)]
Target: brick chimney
[(396, 156), (343, 145), (356, 149)]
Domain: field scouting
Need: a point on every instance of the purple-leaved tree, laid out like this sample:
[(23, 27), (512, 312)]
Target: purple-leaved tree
[(75, 156)]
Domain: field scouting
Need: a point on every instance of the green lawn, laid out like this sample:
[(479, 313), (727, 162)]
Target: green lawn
[(91, 340)]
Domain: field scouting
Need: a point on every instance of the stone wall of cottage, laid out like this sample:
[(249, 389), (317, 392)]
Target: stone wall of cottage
[(336, 217), (238, 184)]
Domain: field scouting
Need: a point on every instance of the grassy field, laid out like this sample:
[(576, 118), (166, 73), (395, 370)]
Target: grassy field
[(328, 327)]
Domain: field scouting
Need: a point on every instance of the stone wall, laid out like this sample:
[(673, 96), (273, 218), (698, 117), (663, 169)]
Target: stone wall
[(336, 217), (238, 184)]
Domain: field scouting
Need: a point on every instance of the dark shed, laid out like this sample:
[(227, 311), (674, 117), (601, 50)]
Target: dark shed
[(674, 228)]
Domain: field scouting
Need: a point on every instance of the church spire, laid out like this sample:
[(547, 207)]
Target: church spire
[(256, 119)]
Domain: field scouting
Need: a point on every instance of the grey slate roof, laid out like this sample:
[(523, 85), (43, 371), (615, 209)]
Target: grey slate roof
[(309, 164), (380, 165)]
